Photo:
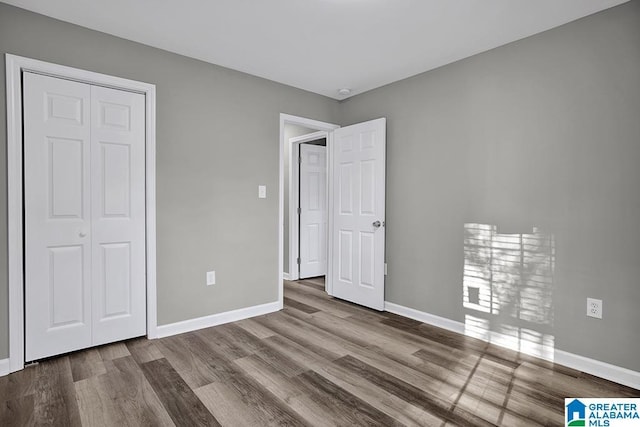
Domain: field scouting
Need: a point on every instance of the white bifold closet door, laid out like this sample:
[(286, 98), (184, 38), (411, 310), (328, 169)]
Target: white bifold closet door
[(84, 195)]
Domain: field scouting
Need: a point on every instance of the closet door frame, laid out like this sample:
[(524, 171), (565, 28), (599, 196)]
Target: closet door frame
[(15, 66)]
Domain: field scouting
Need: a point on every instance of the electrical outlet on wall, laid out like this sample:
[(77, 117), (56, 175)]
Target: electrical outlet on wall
[(594, 308)]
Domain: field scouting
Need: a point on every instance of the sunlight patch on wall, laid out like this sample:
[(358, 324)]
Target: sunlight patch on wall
[(508, 288)]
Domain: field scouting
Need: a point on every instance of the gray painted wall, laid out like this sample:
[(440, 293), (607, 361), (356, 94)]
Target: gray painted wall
[(543, 132), (290, 131), (217, 140)]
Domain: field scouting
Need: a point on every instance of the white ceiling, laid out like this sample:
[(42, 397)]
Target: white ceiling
[(322, 45)]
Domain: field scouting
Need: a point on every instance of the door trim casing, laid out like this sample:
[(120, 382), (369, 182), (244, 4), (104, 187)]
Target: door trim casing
[(294, 175), (15, 65), (318, 126)]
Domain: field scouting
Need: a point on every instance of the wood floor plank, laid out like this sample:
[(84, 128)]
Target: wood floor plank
[(280, 360), (351, 409), (54, 399), (113, 351), (300, 306), (485, 387), (401, 410), (220, 339), (475, 368), (270, 353), (549, 412), (188, 357), (294, 312), (86, 364), (17, 412), (490, 413), (408, 368), (405, 365), (410, 393), (362, 335), (227, 411), (240, 340), (182, 404), (562, 384), (255, 328), (244, 401), (298, 353), (321, 303), (487, 383), (310, 283), (122, 397), (373, 318), (316, 340), (456, 341), (319, 296), (498, 376), (214, 365), (18, 384), (288, 390), (143, 350), (465, 343), (448, 358)]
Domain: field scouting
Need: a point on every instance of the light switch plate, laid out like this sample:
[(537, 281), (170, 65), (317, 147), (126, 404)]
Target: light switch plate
[(262, 191), (211, 278)]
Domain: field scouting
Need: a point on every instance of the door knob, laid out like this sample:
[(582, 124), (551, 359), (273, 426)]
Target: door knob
[(82, 233), (376, 224)]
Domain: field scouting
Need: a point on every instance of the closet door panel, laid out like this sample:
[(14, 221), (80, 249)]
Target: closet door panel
[(57, 197), (118, 214)]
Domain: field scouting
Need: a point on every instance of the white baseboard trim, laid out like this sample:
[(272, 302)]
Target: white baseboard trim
[(421, 316), (600, 369), (5, 367), (216, 319), (286, 276)]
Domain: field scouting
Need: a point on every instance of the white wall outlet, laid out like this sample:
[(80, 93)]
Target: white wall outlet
[(262, 191), (594, 308), (211, 278)]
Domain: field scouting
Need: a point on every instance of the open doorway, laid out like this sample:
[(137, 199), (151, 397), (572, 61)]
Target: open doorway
[(293, 132), (355, 188), (290, 195)]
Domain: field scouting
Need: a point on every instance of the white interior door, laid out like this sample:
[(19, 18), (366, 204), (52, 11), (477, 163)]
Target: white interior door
[(57, 186), (117, 214), (313, 210), (358, 231), (84, 215)]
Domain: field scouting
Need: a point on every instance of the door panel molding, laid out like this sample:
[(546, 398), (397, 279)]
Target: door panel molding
[(15, 66)]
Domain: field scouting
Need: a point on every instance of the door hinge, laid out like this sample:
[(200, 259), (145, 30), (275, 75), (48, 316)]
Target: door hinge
[(299, 211), (298, 260), (299, 159)]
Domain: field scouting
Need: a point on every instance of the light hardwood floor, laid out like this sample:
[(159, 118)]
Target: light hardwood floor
[(320, 362)]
